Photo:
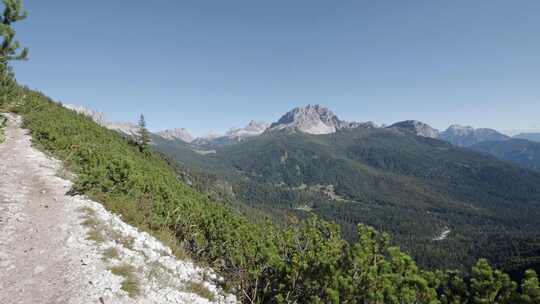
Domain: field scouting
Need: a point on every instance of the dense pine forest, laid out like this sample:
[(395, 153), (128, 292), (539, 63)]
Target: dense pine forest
[(412, 187), (298, 261)]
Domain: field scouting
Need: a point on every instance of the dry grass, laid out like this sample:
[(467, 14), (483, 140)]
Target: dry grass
[(95, 228), (199, 289), (168, 238), (163, 276), (3, 122), (87, 211), (100, 232), (95, 235), (111, 253), (131, 283)]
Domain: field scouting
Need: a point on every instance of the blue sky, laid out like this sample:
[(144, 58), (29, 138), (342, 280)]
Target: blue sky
[(210, 65)]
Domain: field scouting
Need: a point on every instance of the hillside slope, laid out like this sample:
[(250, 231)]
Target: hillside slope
[(302, 262), (413, 187), (60, 248)]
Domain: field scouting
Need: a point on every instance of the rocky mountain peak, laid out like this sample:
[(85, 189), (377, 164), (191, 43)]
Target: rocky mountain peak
[(466, 136), (460, 129), (417, 127), (126, 128), (253, 128), (312, 119), (176, 134)]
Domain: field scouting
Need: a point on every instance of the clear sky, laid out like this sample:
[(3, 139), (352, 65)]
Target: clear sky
[(210, 65)]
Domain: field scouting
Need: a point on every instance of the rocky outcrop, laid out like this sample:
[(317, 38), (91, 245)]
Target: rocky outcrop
[(176, 134), (416, 127), (254, 128)]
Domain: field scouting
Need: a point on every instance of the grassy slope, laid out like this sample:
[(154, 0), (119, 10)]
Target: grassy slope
[(140, 186)]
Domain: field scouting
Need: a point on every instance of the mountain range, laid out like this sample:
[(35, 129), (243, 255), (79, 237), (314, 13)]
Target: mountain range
[(458, 135), (313, 119), (448, 197), (319, 120), (444, 201)]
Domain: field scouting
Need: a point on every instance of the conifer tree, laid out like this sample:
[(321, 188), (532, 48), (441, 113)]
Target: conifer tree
[(530, 288), (10, 48), (143, 134), (453, 289), (490, 286)]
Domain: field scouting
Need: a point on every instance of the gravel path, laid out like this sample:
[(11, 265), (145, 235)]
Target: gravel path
[(56, 248)]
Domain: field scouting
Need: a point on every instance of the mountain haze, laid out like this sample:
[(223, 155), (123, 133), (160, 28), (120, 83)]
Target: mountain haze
[(522, 152), (528, 136)]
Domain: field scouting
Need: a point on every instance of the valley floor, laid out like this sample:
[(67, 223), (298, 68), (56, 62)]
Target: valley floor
[(56, 248)]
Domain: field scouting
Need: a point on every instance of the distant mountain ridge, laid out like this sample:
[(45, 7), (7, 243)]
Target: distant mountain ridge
[(458, 135), (100, 118), (310, 119)]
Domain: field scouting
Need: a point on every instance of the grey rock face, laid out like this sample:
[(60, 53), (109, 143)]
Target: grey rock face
[(313, 119), (232, 136), (466, 136), (254, 128), (176, 134), (416, 127)]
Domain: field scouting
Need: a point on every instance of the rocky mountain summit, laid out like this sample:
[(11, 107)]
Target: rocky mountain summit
[(253, 128), (176, 134), (466, 136), (313, 119), (416, 127), (232, 136)]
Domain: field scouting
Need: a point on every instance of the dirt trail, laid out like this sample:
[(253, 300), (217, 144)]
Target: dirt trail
[(45, 256)]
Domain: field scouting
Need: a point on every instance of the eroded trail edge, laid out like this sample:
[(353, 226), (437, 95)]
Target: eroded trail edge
[(56, 248)]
